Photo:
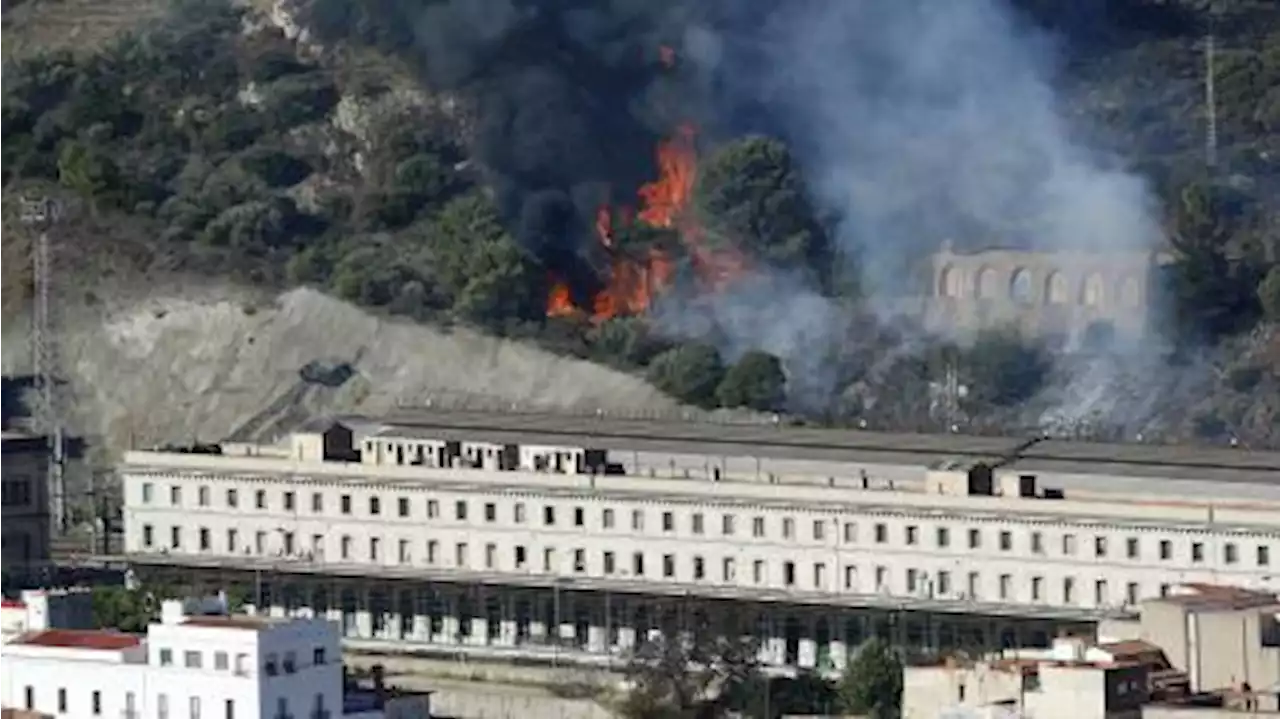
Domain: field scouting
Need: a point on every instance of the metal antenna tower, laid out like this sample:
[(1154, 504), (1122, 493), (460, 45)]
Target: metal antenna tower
[(1210, 96), (42, 213)]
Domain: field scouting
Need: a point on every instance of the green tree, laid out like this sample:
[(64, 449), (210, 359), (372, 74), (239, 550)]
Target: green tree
[(89, 172), (1269, 294), (625, 341), (751, 194), (479, 266), (1213, 285), (694, 677), (690, 373), (755, 381), (872, 682)]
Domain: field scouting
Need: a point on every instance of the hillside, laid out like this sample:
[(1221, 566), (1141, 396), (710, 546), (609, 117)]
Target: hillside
[(685, 192)]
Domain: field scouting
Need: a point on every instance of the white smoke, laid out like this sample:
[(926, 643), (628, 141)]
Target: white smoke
[(916, 122)]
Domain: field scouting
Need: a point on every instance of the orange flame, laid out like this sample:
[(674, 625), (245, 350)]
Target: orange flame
[(664, 203)]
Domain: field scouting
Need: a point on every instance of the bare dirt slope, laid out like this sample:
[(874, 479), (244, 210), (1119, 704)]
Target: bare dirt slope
[(179, 364)]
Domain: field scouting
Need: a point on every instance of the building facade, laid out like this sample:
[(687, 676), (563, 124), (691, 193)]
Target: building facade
[(188, 666), (25, 503), (1048, 294), (432, 539)]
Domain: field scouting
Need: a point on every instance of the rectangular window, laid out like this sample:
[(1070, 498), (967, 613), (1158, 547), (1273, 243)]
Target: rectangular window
[(433, 551), (1006, 585), (1006, 540), (433, 509), (148, 490), (204, 539), (1068, 590), (1230, 554), (287, 539), (1099, 546), (882, 533), (202, 496), (460, 510), (1131, 547), (819, 530), (1197, 551), (521, 556), (220, 661), (579, 517), (608, 563), (517, 513), (606, 519), (233, 498), (697, 523), (289, 499), (490, 512), (757, 571), (1100, 593), (549, 516), (789, 573), (850, 532), (819, 575), (788, 528), (727, 525), (191, 660), (579, 560), (1069, 545), (345, 547), (1037, 543), (230, 706), (668, 565), (97, 702), (727, 569), (375, 545), (548, 559), (260, 499), (1264, 555), (460, 554), (974, 590), (637, 520), (148, 535), (975, 538), (882, 579), (850, 577), (162, 706), (757, 527), (62, 700), (943, 536), (346, 504), (29, 698), (1037, 588), (668, 522), (317, 502), (637, 564), (699, 568), (490, 555), (233, 541), (944, 582), (175, 537), (1131, 593), (175, 495), (911, 534), (402, 506), (1166, 549), (913, 581), (403, 553), (260, 542), (195, 707)]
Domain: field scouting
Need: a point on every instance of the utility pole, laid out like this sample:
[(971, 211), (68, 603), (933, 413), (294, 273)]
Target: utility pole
[(42, 214)]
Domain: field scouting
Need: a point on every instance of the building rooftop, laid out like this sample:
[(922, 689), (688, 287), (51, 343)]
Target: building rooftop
[(1213, 597), (100, 640), (238, 621)]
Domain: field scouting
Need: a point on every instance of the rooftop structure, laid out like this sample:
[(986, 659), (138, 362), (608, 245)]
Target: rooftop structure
[(39, 609), (230, 666)]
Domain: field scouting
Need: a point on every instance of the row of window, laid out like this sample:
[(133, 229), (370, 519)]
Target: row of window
[(272, 664), (913, 582), (131, 705), (912, 535)]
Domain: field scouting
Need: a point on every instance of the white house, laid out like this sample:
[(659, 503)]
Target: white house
[(190, 667)]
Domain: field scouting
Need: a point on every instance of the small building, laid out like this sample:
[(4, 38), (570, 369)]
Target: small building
[(190, 665), (38, 609), (25, 503)]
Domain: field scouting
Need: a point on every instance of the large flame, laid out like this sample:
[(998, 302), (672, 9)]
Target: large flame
[(633, 282)]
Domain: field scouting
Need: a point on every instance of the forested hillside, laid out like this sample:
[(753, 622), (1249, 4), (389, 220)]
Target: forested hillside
[(630, 182)]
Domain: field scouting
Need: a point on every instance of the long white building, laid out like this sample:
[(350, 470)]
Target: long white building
[(523, 534)]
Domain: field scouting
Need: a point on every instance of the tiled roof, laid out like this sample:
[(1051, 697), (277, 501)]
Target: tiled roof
[(80, 639)]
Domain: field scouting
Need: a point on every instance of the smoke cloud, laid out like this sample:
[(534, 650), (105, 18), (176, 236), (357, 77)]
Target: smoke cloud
[(917, 123)]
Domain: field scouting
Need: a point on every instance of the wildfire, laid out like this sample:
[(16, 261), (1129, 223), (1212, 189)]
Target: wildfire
[(633, 282)]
